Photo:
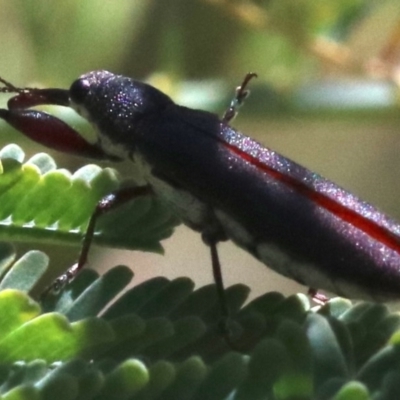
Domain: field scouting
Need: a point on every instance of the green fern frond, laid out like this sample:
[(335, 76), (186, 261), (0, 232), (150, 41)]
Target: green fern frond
[(44, 204)]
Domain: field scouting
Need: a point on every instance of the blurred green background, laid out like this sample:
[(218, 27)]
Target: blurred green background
[(327, 91)]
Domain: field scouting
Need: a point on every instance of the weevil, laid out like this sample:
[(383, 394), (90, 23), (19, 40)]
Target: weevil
[(222, 184)]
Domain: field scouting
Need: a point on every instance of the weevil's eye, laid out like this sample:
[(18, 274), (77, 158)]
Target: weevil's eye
[(79, 90)]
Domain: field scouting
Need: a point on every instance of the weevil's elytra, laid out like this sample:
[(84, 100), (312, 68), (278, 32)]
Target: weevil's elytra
[(224, 184)]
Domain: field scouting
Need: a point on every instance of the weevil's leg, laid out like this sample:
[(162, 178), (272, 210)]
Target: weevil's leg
[(241, 94), (51, 132), (42, 127), (106, 204), (212, 241), (219, 282), (224, 325), (318, 297)]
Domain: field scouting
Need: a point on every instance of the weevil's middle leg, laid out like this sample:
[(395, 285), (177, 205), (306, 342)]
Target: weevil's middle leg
[(108, 203)]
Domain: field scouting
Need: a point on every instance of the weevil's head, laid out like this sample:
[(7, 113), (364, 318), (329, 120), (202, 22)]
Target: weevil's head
[(115, 104)]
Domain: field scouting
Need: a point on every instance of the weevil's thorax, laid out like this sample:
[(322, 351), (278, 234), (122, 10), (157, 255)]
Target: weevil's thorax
[(115, 105)]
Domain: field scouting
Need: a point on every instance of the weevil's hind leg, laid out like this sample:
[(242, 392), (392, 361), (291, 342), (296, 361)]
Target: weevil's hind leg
[(106, 204), (241, 94), (219, 281), (212, 242)]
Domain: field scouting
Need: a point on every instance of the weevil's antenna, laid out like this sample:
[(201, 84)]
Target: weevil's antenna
[(10, 88)]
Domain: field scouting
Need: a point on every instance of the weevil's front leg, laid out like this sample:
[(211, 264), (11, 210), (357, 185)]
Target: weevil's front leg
[(106, 204), (241, 94), (51, 132), (44, 128)]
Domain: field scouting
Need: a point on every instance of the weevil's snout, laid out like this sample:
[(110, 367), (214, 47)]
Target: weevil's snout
[(35, 97)]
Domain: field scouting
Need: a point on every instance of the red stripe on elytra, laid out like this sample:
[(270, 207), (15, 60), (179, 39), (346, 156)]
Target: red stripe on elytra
[(371, 228)]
